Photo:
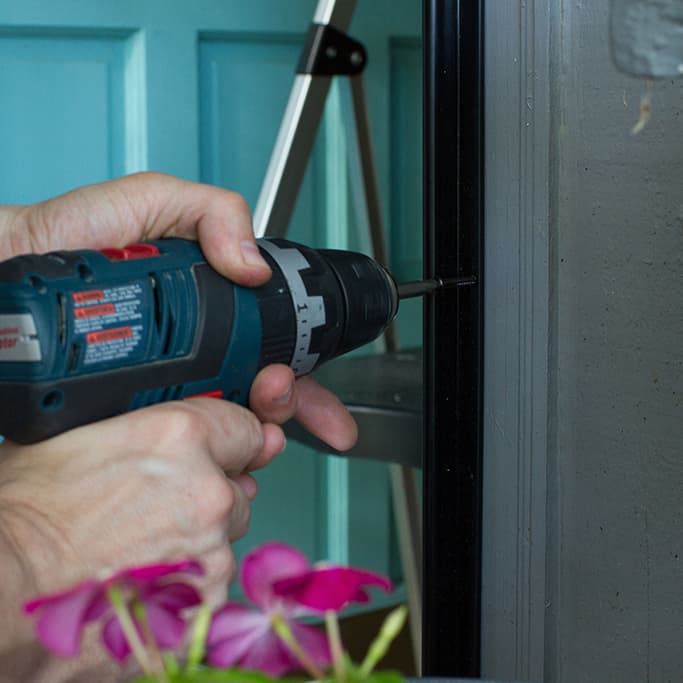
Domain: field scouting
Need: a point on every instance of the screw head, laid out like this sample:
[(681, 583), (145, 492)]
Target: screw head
[(356, 58)]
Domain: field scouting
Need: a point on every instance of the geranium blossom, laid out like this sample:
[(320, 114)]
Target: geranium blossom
[(63, 616), (243, 636), (279, 580), (330, 587)]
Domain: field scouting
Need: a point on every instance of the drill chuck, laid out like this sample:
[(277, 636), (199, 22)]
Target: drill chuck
[(319, 304)]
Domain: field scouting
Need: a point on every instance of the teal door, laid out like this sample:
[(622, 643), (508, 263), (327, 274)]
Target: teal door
[(93, 89)]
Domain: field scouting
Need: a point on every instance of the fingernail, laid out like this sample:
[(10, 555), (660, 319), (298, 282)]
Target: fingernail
[(249, 486), (286, 397), (252, 255)]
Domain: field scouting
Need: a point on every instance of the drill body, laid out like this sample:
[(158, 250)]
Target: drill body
[(86, 335)]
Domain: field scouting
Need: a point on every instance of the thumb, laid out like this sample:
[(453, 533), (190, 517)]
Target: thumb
[(147, 206)]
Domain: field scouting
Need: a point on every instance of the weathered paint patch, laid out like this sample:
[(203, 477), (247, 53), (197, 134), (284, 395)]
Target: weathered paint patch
[(647, 37)]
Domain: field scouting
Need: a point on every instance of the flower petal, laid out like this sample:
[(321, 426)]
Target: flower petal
[(265, 565), (114, 640), (234, 631), (240, 636), (167, 627), (98, 606), (361, 596), (330, 588), (271, 656), (234, 619), (52, 598), (150, 572), (62, 617), (314, 642), (171, 596)]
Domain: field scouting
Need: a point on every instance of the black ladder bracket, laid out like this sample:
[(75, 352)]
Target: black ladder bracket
[(331, 52)]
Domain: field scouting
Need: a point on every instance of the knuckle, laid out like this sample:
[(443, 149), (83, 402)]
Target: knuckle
[(181, 428), (216, 503), (150, 177), (252, 431), (222, 566), (220, 497), (237, 203)]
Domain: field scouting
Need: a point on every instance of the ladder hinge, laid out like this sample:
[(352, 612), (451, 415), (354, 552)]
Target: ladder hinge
[(331, 52)]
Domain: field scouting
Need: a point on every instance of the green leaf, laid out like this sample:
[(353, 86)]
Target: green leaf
[(385, 677), (204, 675), (224, 676)]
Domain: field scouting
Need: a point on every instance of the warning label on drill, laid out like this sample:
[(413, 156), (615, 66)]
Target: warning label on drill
[(92, 295), (111, 322), (109, 335), (95, 311)]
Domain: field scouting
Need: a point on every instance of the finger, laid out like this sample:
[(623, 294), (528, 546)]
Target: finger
[(324, 415), (248, 485), (220, 568), (244, 489), (231, 435), (274, 443), (146, 206), (218, 218), (272, 395)]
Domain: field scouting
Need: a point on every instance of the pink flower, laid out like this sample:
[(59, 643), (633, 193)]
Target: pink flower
[(62, 616), (279, 580), (245, 637), (330, 587)]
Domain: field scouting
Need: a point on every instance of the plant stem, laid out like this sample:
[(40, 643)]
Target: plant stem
[(129, 630), (200, 630), (379, 646), (334, 639), (171, 664), (150, 640), (285, 634)]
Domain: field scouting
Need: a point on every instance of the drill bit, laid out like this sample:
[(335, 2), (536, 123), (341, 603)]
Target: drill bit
[(407, 290)]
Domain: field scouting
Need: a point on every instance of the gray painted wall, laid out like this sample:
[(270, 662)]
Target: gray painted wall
[(617, 357), (583, 555)]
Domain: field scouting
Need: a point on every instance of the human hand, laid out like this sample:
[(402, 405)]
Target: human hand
[(165, 481), (169, 481), (151, 206)]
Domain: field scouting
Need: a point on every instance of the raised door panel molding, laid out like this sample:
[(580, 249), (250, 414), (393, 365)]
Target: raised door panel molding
[(70, 110)]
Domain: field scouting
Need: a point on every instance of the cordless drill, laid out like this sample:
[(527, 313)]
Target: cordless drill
[(86, 335)]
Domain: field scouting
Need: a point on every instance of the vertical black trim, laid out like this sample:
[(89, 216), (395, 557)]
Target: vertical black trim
[(453, 194)]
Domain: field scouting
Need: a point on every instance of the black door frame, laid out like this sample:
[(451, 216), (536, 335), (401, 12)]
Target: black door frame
[(453, 338)]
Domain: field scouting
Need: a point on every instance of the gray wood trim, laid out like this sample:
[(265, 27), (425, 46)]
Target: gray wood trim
[(516, 338)]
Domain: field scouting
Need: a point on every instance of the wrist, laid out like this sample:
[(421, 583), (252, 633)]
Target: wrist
[(29, 545), (21, 657), (10, 239)]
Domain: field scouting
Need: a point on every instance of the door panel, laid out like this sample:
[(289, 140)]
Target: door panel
[(62, 122), (244, 85), (92, 89)]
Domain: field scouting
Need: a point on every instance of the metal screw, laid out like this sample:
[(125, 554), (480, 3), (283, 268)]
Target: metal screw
[(356, 58), (331, 52)]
